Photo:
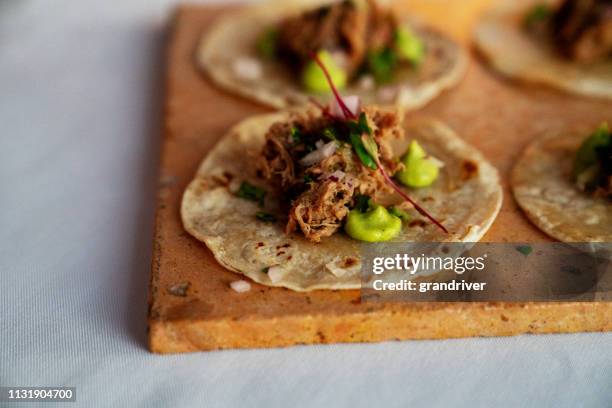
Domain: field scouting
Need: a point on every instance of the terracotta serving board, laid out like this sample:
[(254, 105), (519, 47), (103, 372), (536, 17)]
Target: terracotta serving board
[(191, 305)]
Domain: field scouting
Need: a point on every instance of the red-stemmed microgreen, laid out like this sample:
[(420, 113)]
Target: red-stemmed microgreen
[(345, 110), (366, 146), (372, 148)]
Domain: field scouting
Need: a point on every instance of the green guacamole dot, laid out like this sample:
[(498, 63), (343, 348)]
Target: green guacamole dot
[(375, 225), (313, 77), (419, 170), (409, 46)]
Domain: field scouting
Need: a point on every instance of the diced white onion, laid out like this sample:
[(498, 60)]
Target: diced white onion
[(322, 152), (234, 185), (340, 58), (247, 68), (387, 94), (366, 82), (338, 174), (276, 273), (240, 286), (352, 102)]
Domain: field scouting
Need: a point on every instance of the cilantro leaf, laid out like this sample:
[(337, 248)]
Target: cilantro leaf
[(296, 135), (265, 217), (381, 64), (525, 249), (251, 192), (362, 203), (357, 128), (401, 214), (538, 14)]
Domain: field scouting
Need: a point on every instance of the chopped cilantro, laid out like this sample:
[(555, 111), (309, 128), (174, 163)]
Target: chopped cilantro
[(251, 192), (266, 43), (330, 133), (265, 217), (381, 64), (357, 128), (362, 203), (524, 249), (591, 154), (296, 135), (398, 212), (360, 126), (538, 14)]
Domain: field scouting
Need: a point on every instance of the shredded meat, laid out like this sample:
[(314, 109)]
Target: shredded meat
[(320, 210), (343, 28), (583, 29), (318, 196), (381, 27), (275, 161)]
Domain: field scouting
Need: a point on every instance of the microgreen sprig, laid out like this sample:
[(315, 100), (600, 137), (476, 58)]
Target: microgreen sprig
[(365, 145)]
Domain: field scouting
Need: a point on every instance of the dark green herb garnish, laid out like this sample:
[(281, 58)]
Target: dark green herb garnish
[(308, 178), (524, 249), (592, 162), (296, 135), (361, 125), (363, 155), (265, 217), (266, 269), (382, 64), (362, 203), (266, 44), (401, 214), (330, 133), (538, 14), (357, 128), (251, 192)]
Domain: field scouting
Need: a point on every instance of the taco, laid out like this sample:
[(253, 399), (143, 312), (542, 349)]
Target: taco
[(566, 44), (563, 182), (287, 198), (265, 53)]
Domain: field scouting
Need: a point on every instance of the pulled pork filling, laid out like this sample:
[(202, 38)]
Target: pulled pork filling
[(319, 174), (582, 29), (347, 30)]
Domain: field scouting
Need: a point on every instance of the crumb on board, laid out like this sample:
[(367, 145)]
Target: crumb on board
[(240, 286), (180, 289)]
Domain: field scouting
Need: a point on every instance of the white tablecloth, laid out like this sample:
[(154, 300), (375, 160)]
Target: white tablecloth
[(79, 145)]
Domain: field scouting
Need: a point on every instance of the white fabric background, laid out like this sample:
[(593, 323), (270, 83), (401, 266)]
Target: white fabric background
[(79, 144)]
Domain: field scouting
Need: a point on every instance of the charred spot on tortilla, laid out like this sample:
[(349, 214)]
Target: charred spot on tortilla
[(468, 169)]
